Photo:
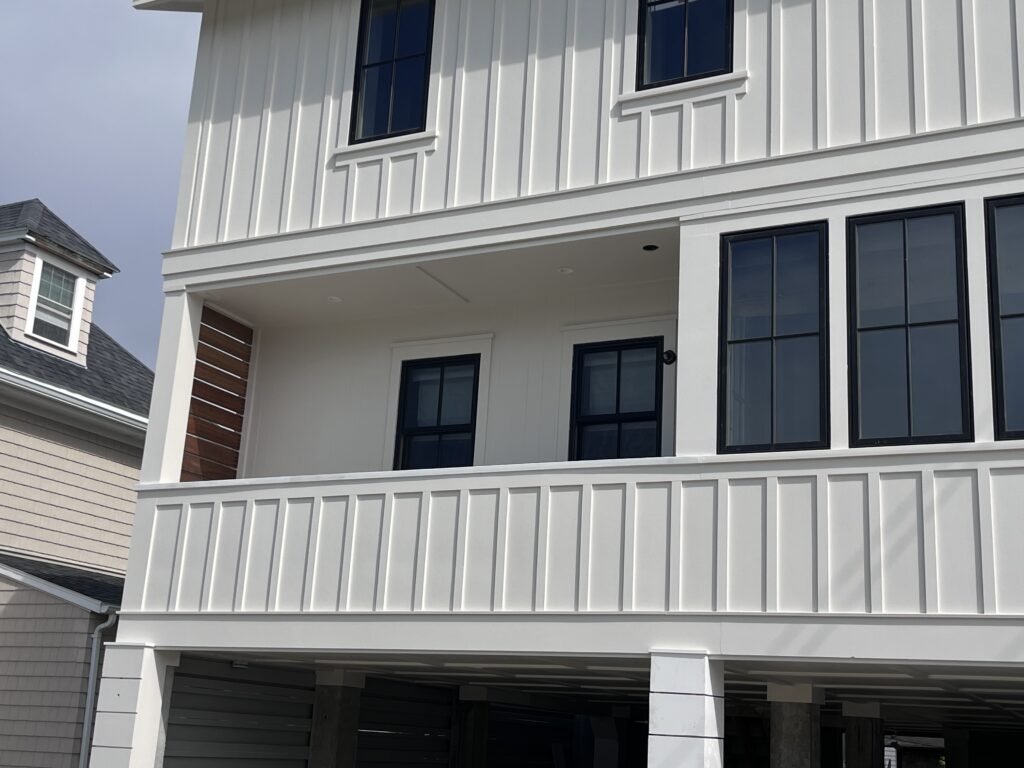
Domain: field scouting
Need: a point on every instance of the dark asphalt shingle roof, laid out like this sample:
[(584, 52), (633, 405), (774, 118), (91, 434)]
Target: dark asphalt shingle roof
[(99, 586), (52, 232), (111, 375)]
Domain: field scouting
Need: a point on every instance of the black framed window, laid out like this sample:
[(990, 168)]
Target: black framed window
[(1005, 224), (683, 40), (393, 68), (773, 369), (437, 413), (909, 353), (616, 399)]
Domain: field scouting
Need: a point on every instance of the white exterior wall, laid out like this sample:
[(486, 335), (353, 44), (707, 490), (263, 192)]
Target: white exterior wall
[(535, 97), (324, 399)]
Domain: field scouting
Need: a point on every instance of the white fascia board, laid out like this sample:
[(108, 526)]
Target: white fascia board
[(54, 590), (168, 5), (73, 399), (847, 172)]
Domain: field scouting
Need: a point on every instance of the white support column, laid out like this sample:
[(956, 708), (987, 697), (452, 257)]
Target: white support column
[(687, 717), (172, 388), (697, 342), (131, 712)]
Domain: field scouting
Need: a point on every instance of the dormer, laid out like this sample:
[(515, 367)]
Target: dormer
[(48, 276)]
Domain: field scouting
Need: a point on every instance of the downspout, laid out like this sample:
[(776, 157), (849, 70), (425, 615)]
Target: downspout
[(90, 693)]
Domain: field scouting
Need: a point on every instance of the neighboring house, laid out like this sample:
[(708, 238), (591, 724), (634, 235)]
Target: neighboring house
[(585, 383), (73, 414)]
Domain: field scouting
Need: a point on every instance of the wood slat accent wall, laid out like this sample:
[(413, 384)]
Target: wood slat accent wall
[(218, 399)]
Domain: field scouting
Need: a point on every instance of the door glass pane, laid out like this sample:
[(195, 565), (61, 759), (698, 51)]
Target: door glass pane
[(598, 383), (931, 267), (639, 439), (1013, 373), (750, 289), (883, 384), (936, 403), (413, 27), (599, 441), (421, 392), (707, 39), (665, 32), (375, 101), (407, 109), (797, 288), (749, 394), (457, 400), (456, 450), (639, 377), (421, 452), (880, 282), (797, 390), (380, 33), (1010, 258)]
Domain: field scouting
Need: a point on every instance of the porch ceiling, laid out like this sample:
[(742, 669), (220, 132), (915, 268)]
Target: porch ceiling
[(557, 271)]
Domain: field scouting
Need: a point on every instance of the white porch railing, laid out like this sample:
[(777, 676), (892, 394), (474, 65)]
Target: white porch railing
[(896, 532)]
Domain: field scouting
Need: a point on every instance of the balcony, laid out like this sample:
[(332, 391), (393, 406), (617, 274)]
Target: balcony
[(934, 531)]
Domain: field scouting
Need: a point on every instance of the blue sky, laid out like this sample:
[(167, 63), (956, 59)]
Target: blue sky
[(95, 104)]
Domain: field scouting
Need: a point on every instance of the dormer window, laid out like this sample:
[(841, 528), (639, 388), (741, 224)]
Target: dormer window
[(54, 314), (683, 40), (393, 69)]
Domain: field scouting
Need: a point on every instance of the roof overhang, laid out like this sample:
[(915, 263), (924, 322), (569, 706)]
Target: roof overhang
[(168, 5), (55, 590)]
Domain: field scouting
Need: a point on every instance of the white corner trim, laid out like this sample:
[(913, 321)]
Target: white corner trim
[(424, 140), (28, 384), (667, 95), (54, 590)]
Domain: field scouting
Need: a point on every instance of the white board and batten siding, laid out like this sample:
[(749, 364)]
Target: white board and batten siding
[(537, 96), (65, 494), (897, 534), (44, 665)]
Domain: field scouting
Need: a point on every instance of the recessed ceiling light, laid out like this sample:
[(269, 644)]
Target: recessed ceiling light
[(651, 247), (565, 270), (335, 299)]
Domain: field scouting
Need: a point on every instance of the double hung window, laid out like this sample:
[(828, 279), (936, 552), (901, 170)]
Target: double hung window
[(909, 372), (773, 383), (683, 40), (55, 304), (393, 68), (616, 400), (437, 413), (1006, 285)]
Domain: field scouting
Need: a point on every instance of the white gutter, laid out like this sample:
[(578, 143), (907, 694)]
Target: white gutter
[(75, 400), (90, 694)]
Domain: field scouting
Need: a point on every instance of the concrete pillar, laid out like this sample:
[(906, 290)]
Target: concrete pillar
[(132, 707), (336, 719), (795, 726), (865, 743), (172, 388), (687, 711)]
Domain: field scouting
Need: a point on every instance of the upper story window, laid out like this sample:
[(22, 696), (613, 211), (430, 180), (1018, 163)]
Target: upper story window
[(437, 413), (616, 400), (683, 40), (393, 68), (909, 373), (773, 382), (55, 305), (1006, 272)]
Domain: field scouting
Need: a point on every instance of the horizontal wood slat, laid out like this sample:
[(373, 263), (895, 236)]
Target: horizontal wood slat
[(218, 340), (225, 324), (222, 360), (219, 385)]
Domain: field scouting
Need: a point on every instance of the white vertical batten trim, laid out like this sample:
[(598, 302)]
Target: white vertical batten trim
[(821, 499), (931, 575), (821, 67), (424, 519), (540, 564), (583, 556), (986, 543), (351, 522), (461, 544), (231, 165), (458, 98), (493, 99), (259, 176), (673, 595), (627, 583), (529, 101), (918, 73), (874, 573), (771, 545), (969, 63), (869, 127), (565, 119), (316, 505), (330, 114), (384, 549), (609, 68), (721, 546), (775, 119)]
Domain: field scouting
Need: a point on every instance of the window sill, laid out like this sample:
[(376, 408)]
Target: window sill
[(70, 349), (426, 140), (668, 95)]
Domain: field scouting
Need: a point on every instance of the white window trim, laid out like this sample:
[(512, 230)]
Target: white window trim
[(618, 330), (78, 304), (447, 347)]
